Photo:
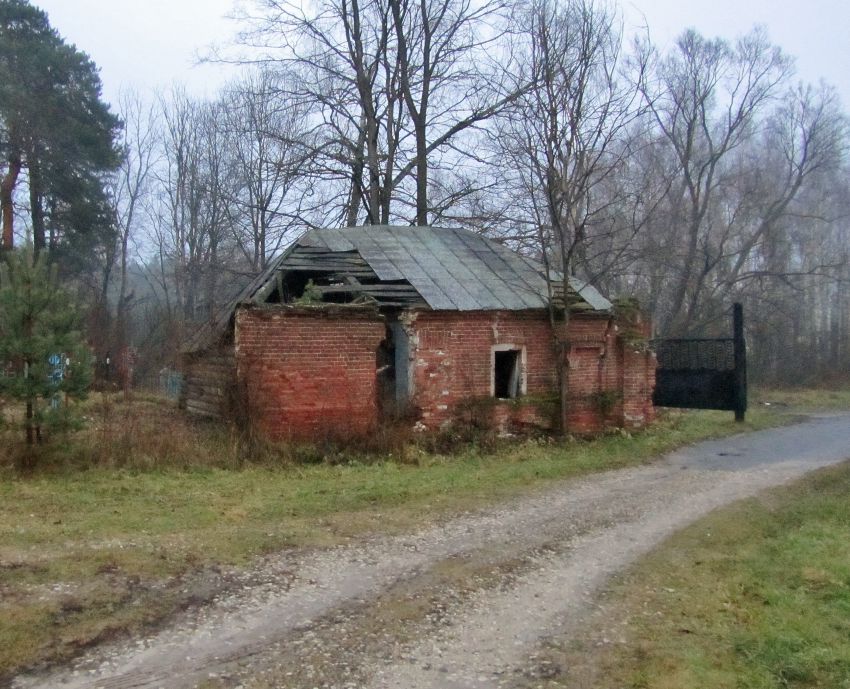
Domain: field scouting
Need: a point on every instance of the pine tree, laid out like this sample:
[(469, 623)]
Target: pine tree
[(44, 360), (55, 125)]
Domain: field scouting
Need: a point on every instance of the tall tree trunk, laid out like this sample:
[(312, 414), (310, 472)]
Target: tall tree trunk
[(102, 340), (191, 295), (421, 175), (675, 322), (835, 331), (33, 435), (30, 427), (7, 188), (212, 283), (563, 351), (39, 241), (121, 309), (357, 167)]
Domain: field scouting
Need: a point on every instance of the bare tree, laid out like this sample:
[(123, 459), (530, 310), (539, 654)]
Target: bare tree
[(216, 182), (804, 137), (441, 46), (340, 69), (789, 253), (193, 216), (268, 146), (131, 185), (567, 137), (392, 86), (706, 98)]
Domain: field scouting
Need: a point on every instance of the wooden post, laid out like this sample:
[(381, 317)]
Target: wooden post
[(740, 362)]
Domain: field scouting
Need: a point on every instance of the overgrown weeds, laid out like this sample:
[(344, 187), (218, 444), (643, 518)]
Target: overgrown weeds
[(145, 432), (140, 433), (117, 515), (148, 433)]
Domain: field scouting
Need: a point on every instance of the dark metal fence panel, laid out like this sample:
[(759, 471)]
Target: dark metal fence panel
[(703, 373), (694, 389), (716, 355)]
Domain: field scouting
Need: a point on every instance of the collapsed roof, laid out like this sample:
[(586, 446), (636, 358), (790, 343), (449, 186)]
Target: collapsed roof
[(413, 267)]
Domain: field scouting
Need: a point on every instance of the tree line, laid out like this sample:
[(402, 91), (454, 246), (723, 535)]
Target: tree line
[(688, 177)]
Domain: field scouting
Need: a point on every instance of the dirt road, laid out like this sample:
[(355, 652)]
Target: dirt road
[(460, 604)]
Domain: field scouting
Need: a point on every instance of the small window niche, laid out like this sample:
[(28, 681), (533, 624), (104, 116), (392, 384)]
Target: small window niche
[(508, 372)]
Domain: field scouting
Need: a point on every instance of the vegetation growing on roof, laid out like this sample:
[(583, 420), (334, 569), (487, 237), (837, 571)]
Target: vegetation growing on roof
[(310, 295)]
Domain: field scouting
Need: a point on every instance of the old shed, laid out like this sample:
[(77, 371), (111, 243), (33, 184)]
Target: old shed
[(351, 326)]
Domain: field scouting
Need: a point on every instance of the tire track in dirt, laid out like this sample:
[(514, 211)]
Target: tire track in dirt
[(590, 528)]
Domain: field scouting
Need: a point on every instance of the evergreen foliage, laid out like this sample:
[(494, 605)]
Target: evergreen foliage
[(53, 121), (44, 358)]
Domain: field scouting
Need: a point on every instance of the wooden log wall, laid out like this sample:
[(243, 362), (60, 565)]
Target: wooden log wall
[(210, 379)]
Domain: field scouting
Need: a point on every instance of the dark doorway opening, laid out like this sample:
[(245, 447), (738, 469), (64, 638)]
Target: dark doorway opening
[(385, 369)]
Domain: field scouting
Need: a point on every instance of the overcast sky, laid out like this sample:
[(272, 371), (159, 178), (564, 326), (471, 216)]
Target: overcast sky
[(151, 44)]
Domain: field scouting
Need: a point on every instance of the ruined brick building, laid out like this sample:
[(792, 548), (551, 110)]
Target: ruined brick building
[(350, 326)]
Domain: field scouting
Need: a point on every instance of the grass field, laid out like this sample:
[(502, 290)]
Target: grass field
[(756, 596), (103, 538)]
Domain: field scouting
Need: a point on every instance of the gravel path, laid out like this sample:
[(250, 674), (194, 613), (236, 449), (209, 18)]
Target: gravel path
[(461, 604)]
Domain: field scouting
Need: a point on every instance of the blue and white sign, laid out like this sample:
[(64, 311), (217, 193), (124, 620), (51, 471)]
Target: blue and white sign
[(56, 375)]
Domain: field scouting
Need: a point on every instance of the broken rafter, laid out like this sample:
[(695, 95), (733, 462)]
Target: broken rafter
[(321, 250), (332, 270), (323, 264), (401, 290)]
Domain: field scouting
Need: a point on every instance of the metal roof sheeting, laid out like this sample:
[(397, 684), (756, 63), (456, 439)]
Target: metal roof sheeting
[(453, 269)]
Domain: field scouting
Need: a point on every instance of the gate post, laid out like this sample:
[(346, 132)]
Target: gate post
[(740, 347)]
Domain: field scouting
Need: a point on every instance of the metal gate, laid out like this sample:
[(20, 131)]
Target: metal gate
[(703, 373)]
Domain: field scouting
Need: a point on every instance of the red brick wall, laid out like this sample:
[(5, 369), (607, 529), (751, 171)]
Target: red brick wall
[(594, 370), (309, 372), (452, 356), (611, 379), (638, 386), (609, 383)]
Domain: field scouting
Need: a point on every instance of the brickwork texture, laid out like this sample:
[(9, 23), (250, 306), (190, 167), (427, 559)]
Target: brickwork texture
[(311, 372), (308, 373)]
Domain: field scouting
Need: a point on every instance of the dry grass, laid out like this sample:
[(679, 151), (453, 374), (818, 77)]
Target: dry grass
[(802, 399), (118, 522), (145, 433)]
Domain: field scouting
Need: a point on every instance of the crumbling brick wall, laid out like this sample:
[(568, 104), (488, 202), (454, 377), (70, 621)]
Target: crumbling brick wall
[(308, 372), (610, 381), (452, 357), (611, 376)]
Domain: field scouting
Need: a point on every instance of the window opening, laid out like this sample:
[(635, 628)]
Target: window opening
[(506, 373)]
